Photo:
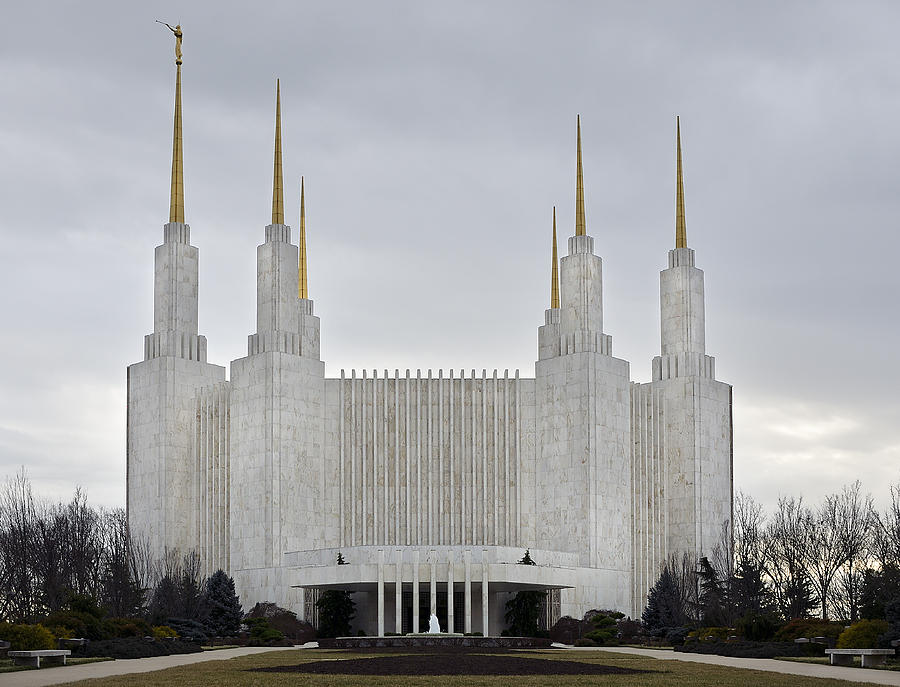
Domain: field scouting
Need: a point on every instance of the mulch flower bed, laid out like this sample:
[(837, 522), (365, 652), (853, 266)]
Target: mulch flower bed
[(451, 663)]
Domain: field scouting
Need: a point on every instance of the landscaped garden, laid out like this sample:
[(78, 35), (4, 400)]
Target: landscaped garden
[(527, 669)]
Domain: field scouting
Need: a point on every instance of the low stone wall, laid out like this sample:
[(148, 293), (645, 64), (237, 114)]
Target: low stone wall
[(435, 641)]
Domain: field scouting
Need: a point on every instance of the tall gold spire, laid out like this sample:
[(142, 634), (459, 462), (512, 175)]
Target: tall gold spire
[(680, 227), (277, 180), (554, 270), (302, 290), (176, 197), (580, 224)]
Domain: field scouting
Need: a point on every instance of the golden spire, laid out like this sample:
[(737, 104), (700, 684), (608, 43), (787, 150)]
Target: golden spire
[(176, 197), (277, 181), (554, 269), (580, 224), (680, 228), (302, 290)]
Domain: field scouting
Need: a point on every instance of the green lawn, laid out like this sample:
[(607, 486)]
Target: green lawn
[(7, 665), (234, 673)]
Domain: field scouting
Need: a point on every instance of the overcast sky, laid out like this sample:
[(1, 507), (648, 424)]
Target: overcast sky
[(435, 137)]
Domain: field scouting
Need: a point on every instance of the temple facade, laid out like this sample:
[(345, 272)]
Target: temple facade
[(429, 484)]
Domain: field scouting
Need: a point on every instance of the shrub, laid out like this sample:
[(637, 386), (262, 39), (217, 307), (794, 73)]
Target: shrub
[(163, 632), (862, 635), (81, 624), (744, 649), (808, 627), (27, 637), (584, 641), (129, 627), (717, 634), (285, 621), (261, 633), (60, 631), (629, 629), (757, 627), (189, 629), (134, 647), (605, 629), (676, 635)]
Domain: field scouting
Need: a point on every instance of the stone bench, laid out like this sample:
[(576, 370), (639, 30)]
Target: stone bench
[(870, 657), (33, 658)]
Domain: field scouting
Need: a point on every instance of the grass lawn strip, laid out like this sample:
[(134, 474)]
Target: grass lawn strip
[(240, 671), (7, 665)]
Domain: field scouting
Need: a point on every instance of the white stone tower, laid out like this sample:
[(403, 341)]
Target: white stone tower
[(582, 462), (161, 476), (277, 414), (681, 425)]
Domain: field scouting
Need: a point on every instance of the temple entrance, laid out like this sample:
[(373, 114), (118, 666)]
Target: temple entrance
[(425, 609)]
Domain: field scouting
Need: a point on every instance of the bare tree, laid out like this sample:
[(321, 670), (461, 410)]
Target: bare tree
[(854, 525), (789, 537), (885, 543), (17, 539), (749, 532)]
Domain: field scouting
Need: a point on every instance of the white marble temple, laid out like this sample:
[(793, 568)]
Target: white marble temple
[(428, 481)]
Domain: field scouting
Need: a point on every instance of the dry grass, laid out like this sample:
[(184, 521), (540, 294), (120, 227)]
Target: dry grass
[(237, 672)]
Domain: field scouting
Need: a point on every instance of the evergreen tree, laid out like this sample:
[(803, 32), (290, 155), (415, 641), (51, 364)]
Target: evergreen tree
[(748, 593), (665, 605), (222, 608), (798, 598), (336, 610), (713, 598), (165, 602), (523, 611)]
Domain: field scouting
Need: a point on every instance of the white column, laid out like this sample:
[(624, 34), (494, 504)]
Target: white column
[(398, 594), (450, 585), (484, 593), (381, 592), (415, 592), (467, 592), (433, 586)]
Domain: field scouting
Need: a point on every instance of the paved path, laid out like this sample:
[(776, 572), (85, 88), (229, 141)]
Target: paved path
[(60, 674), (879, 677)]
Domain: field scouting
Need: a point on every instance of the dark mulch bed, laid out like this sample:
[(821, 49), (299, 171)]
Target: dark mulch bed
[(451, 663)]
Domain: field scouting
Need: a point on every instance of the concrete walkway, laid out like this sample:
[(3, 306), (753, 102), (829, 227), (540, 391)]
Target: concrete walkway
[(878, 677), (60, 674)]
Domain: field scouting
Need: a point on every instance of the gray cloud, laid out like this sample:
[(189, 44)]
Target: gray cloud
[(434, 139)]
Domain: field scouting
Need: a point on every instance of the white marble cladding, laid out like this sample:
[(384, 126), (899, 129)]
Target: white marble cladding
[(682, 317), (161, 461), (211, 437), (682, 472), (363, 555), (277, 458), (175, 282), (430, 459)]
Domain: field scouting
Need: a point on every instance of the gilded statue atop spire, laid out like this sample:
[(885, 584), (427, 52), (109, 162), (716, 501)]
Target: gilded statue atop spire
[(176, 196), (178, 35)]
